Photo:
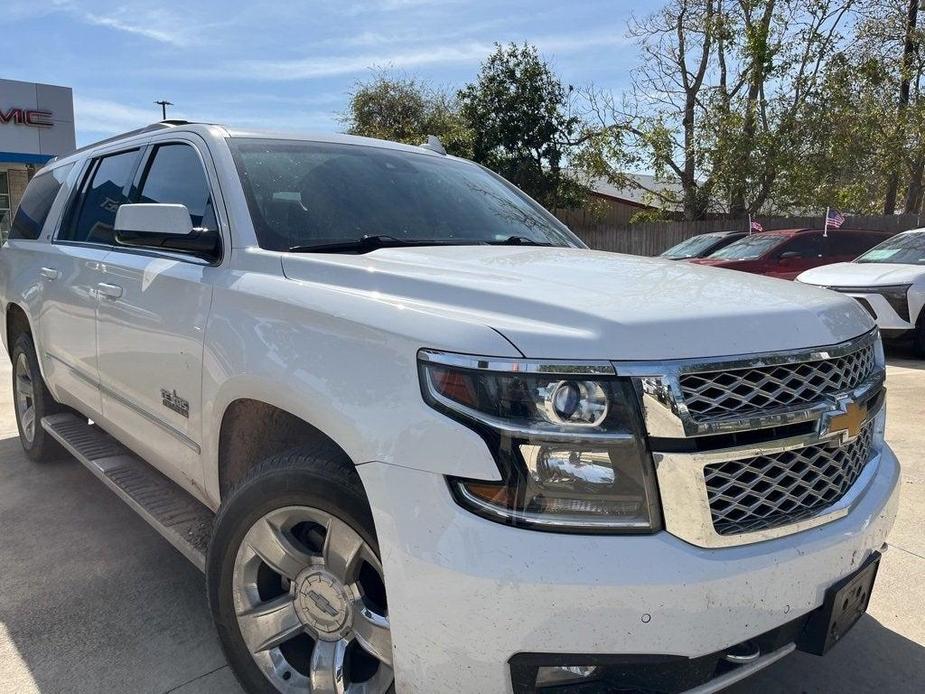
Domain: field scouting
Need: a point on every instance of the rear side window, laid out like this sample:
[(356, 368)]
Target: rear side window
[(4, 205), (36, 203), (852, 245), (175, 175), (96, 204)]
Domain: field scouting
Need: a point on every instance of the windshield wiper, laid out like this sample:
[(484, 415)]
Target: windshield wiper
[(518, 241), (371, 242), (368, 242)]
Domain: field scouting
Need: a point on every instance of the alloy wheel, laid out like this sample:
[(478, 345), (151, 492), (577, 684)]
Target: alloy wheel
[(25, 397), (309, 597)]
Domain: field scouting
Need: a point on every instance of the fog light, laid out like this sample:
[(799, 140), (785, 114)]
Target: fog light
[(561, 674)]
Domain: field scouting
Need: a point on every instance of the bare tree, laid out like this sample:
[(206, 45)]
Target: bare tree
[(717, 100)]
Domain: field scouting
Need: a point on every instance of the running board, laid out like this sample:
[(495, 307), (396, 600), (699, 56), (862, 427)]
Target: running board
[(182, 520)]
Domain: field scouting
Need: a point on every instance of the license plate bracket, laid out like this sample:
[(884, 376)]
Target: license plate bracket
[(845, 603)]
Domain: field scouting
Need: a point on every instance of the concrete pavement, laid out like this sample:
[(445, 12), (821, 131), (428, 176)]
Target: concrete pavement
[(93, 600)]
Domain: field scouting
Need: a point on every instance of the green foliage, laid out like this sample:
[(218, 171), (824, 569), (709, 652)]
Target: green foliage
[(517, 112), (405, 109), (736, 106)]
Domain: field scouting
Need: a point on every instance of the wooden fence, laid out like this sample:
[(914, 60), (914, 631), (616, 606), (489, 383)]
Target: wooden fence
[(607, 233)]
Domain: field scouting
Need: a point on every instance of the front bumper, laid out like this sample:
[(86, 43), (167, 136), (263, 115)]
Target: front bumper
[(466, 594)]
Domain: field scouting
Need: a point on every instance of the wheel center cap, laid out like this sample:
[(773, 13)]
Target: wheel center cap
[(323, 604)]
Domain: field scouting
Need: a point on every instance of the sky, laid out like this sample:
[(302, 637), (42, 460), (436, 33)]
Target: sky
[(289, 65)]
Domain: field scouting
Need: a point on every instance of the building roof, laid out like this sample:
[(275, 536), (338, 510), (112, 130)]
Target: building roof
[(644, 190)]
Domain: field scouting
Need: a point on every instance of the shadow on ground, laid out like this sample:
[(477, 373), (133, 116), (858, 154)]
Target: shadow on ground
[(902, 354), (91, 598), (872, 658)]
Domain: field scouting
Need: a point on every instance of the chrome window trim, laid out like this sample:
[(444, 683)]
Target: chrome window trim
[(686, 506), (665, 412)]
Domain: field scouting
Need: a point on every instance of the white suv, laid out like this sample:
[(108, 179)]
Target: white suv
[(888, 281), (420, 438)]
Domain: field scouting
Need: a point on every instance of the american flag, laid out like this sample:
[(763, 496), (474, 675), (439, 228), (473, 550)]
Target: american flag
[(756, 226), (834, 219)]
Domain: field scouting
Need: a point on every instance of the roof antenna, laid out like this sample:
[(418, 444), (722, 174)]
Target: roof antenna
[(434, 145), (163, 103)]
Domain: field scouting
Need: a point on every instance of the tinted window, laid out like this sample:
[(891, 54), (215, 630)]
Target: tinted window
[(807, 245), (4, 205), (175, 175), (313, 193), (36, 203), (852, 244), (100, 197), (748, 247), (693, 247)]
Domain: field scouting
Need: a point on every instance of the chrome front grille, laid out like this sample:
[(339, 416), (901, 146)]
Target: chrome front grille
[(753, 447), (770, 491), (719, 395)]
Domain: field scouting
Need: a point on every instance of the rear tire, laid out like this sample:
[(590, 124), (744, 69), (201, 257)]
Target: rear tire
[(296, 540), (32, 402)]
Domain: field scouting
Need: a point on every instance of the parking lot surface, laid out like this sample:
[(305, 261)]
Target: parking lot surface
[(94, 600)]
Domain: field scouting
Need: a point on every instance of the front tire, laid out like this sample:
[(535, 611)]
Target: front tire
[(32, 402), (295, 580)]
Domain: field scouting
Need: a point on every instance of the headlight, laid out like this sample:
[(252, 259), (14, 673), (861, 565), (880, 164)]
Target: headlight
[(568, 440), (897, 296)]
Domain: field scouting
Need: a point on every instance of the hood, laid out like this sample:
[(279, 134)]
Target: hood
[(565, 303), (863, 275)]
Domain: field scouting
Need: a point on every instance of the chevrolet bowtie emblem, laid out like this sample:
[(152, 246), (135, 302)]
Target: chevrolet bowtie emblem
[(848, 419)]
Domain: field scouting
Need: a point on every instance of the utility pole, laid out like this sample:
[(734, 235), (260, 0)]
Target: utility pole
[(163, 104), (909, 50)]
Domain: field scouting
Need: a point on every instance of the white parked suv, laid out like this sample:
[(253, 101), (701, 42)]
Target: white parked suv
[(421, 439), (888, 281)]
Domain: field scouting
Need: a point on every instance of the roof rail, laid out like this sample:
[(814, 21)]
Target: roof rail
[(153, 127)]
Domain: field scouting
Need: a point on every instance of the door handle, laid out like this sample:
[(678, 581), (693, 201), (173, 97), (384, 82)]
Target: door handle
[(110, 291), (50, 273)]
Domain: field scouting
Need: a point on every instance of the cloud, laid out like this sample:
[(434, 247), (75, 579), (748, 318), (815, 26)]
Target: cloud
[(99, 118), (329, 66), (459, 53), (151, 21), (572, 43), (105, 117), (397, 5), (141, 28)]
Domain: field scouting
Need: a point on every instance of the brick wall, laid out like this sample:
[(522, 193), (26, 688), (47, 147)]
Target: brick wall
[(18, 178)]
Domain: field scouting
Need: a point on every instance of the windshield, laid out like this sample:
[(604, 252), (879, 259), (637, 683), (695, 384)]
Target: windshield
[(307, 194), (748, 247), (692, 247), (906, 249)]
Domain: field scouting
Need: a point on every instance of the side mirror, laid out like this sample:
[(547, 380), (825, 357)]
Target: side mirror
[(164, 226), (787, 256)]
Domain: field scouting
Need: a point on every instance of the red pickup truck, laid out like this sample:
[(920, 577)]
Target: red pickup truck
[(785, 253)]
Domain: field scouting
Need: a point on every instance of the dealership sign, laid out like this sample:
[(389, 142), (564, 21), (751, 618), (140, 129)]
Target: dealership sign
[(26, 116)]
